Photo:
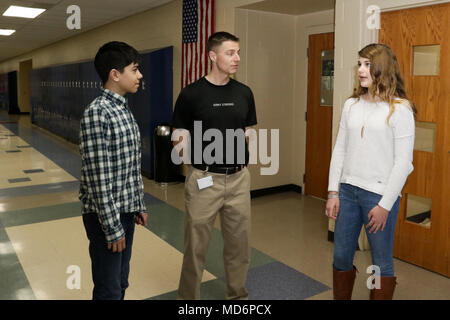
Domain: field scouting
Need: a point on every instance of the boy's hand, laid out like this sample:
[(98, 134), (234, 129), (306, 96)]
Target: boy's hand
[(117, 246), (141, 219)]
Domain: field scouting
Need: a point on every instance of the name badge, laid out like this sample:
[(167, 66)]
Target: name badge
[(205, 182)]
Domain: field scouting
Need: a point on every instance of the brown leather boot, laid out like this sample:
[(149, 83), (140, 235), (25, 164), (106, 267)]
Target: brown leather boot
[(343, 282), (386, 291)]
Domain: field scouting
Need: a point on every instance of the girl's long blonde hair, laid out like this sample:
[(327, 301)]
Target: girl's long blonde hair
[(387, 83)]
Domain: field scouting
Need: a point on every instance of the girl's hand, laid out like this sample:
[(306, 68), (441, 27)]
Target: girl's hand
[(377, 219), (332, 208)]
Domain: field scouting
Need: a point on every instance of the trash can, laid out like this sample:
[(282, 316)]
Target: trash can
[(165, 170)]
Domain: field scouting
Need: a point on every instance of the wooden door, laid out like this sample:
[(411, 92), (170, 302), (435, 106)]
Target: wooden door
[(319, 119), (411, 33)]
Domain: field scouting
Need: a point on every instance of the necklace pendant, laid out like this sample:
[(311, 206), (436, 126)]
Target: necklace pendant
[(362, 132)]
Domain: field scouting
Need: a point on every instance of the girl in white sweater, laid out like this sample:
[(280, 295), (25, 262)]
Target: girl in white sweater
[(371, 160)]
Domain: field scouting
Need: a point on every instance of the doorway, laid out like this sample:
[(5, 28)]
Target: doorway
[(319, 114)]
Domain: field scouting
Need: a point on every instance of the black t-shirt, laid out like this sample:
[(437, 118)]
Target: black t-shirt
[(227, 110)]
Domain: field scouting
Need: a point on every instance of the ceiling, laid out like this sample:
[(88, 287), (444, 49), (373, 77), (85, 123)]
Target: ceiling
[(51, 27), (292, 7)]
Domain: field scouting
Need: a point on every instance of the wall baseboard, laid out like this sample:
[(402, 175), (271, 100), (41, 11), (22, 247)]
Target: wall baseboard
[(277, 189), (330, 236), (253, 193)]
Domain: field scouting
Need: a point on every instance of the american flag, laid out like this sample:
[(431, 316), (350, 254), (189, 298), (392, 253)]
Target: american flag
[(198, 25)]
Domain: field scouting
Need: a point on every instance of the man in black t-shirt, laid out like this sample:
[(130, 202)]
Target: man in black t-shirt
[(214, 113)]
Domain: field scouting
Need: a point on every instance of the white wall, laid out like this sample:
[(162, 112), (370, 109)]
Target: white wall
[(275, 66), (268, 60), (226, 11)]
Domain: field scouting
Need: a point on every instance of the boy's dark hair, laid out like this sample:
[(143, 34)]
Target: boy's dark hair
[(114, 55), (216, 39)]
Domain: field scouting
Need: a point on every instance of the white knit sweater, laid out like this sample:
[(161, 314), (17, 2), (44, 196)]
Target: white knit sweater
[(377, 158)]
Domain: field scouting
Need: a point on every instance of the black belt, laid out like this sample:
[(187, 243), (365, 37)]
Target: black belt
[(215, 169)]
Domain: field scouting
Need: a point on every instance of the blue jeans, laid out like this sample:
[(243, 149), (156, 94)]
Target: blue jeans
[(109, 270), (355, 205)]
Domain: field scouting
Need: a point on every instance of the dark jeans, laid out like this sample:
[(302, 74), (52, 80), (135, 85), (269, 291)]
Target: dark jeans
[(109, 270)]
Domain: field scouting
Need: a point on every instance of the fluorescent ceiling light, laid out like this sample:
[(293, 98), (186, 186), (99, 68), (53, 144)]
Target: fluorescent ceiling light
[(6, 32), (23, 12)]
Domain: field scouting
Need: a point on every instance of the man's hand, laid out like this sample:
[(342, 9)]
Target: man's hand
[(141, 219), (117, 246)]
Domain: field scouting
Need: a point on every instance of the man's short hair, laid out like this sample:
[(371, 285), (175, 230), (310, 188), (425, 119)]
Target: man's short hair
[(216, 39), (114, 55)]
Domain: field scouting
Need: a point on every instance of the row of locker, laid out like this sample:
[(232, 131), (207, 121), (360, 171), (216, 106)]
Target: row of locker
[(4, 99), (60, 94), (8, 92), (78, 84)]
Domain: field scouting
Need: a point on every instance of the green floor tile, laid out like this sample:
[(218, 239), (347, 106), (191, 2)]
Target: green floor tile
[(14, 284), (40, 214), (167, 222), (214, 257)]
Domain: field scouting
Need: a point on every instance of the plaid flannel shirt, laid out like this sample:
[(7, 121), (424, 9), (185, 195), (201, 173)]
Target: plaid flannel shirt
[(110, 147)]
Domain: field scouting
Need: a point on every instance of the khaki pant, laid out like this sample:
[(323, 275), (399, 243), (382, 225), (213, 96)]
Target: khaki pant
[(229, 196)]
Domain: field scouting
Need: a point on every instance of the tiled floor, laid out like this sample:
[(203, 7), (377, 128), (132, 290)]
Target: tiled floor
[(42, 235)]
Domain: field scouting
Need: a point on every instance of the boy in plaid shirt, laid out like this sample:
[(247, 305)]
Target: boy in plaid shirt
[(111, 187)]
